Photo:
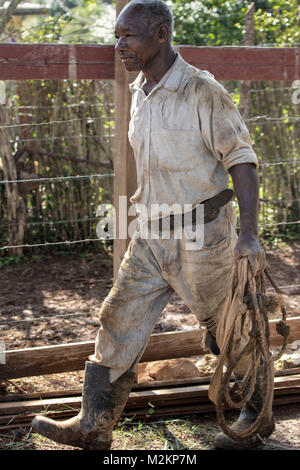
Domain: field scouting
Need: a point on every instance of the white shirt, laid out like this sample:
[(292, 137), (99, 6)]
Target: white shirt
[(186, 134)]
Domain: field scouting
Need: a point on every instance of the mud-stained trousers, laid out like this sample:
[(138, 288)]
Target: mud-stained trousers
[(152, 269)]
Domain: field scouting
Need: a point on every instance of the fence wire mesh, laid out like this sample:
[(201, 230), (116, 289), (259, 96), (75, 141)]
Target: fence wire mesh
[(61, 133)]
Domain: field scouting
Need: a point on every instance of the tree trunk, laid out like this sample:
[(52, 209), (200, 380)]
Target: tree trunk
[(245, 103), (16, 210)]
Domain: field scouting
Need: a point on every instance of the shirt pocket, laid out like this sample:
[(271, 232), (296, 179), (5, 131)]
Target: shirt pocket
[(176, 149)]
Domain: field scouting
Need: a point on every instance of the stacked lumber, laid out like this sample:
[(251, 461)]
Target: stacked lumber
[(153, 399), (72, 356)]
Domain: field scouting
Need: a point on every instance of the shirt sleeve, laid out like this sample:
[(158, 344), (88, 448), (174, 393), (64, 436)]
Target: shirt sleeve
[(223, 129)]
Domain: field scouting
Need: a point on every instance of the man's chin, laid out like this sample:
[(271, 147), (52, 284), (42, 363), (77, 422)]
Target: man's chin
[(131, 67)]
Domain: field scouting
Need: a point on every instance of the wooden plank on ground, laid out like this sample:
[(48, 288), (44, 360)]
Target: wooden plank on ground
[(189, 399), (71, 357), (282, 380), (141, 413)]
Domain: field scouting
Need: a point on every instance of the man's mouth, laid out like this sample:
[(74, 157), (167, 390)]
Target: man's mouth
[(126, 58)]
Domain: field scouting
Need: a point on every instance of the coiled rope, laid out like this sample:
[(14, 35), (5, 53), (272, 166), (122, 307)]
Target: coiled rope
[(247, 296)]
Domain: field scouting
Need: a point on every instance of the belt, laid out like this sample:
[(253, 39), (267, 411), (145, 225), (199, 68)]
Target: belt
[(212, 208)]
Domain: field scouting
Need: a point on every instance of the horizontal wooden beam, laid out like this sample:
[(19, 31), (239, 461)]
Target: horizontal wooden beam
[(56, 61), (245, 63), (71, 357), (90, 61)]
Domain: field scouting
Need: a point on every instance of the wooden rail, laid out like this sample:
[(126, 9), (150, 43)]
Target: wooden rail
[(72, 357), (89, 61)]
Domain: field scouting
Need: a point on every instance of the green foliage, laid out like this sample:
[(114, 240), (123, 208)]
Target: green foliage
[(208, 22), (8, 260), (277, 22), (219, 23), (49, 31), (73, 21)]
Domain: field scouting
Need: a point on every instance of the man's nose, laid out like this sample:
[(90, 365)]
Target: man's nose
[(120, 44)]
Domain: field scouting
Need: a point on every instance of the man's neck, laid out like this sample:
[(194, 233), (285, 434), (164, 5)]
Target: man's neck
[(159, 68)]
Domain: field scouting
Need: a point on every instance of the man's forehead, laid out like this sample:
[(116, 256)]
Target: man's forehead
[(130, 18)]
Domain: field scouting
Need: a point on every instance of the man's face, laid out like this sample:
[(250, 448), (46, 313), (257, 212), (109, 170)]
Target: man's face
[(136, 43)]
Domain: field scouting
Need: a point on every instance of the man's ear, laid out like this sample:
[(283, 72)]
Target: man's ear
[(163, 33)]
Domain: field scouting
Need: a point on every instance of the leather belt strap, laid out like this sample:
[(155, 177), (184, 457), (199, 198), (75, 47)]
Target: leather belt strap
[(211, 208)]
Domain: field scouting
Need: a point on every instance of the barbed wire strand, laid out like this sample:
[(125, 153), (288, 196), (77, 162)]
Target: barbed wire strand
[(32, 320), (60, 137), (49, 222), (68, 242), (55, 106), (280, 223), (88, 104), (58, 178), (89, 119), (267, 118), (261, 90), (65, 178), (88, 219), (290, 162), (45, 318), (92, 119)]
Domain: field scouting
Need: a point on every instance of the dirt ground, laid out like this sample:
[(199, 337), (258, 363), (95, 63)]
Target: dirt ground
[(55, 300)]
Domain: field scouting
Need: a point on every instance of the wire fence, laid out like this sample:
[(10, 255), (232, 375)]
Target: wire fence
[(61, 213), (20, 140), (29, 132)]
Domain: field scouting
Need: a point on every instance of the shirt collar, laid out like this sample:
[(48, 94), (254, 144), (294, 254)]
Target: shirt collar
[(170, 81)]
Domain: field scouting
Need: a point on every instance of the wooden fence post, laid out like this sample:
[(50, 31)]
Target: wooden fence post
[(124, 164)]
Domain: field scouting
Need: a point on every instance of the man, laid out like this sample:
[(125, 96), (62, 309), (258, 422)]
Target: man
[(187, 136)]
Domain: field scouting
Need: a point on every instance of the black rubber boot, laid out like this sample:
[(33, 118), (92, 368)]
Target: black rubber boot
[(247, 417), (102, 405)]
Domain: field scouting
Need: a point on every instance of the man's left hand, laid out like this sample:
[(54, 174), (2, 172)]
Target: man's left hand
[(249, 246)]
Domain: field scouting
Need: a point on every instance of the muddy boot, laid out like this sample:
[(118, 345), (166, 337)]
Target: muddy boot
[(102, 405), (247, 417)]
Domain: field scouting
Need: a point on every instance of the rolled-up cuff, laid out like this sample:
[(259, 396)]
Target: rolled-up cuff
[(238, 157)]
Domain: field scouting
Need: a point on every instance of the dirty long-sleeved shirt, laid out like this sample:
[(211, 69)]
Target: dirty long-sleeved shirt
[(186, 134)]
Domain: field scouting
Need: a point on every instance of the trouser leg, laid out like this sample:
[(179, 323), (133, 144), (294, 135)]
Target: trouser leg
[(206, 269), (203, 282), (130, 310), (127, 317)]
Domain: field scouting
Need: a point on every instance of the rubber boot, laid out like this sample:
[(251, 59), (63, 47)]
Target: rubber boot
[(102, 405), (247, 417)]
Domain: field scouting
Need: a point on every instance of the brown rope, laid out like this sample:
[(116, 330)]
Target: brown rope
[(252, 290)]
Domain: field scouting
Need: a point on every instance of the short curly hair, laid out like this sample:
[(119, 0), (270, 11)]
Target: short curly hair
[(158, 11)]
